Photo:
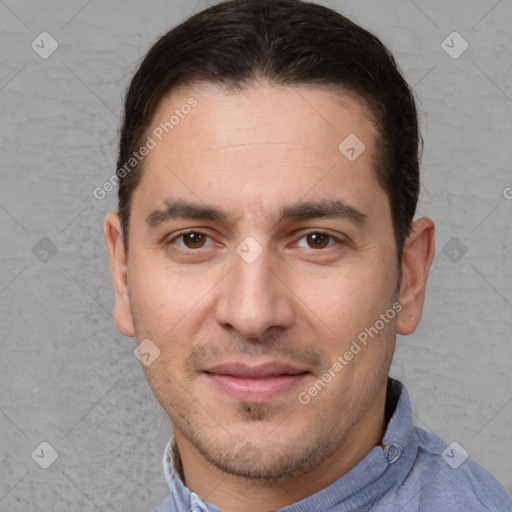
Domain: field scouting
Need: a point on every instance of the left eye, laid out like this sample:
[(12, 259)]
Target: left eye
[(318, 240)]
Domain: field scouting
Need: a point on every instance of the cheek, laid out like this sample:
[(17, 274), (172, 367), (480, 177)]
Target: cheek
[(345, 307), (168, 307), (346, 297), (157, 301)]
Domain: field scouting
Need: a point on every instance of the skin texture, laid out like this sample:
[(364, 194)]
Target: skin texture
[(302, 300)]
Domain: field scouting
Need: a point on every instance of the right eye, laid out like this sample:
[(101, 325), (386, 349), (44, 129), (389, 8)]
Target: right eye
[(191, 240)]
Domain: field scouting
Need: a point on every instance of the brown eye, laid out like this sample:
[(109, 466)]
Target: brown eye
[(193, 240), (318, 240)]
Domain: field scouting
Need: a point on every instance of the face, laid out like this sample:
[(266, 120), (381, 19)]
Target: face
[(260, 256)]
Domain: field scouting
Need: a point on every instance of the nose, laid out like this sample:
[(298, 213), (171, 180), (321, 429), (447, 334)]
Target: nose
[(254, 297)]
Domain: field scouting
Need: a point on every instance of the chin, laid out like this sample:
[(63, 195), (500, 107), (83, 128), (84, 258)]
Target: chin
[(265, 460)]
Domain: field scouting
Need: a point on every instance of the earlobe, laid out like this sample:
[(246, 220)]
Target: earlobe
[(417, 259), (119, 264)]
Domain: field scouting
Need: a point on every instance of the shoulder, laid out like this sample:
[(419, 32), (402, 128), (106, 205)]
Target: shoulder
[(444, 478)]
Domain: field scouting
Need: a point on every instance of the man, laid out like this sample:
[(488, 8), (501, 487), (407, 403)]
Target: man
[(265, 256)]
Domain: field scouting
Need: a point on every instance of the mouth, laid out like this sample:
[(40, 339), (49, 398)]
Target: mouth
[(260, 383)]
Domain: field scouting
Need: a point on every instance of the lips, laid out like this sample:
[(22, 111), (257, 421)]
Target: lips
[(242, 371), (258, 383)]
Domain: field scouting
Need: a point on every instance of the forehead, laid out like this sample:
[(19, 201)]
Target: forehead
[(267, 144), (261, 114)]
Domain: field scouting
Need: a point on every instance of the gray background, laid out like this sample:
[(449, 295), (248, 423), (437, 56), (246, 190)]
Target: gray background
[(67, 377)]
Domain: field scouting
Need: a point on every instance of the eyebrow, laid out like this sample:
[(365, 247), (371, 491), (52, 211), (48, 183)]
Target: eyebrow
[(333, 209), (180, 209), (304, 210)]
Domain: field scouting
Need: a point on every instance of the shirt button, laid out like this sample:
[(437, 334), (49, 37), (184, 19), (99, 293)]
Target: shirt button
[(393, 452)]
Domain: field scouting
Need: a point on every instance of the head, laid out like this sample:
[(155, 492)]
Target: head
[(284, 140)]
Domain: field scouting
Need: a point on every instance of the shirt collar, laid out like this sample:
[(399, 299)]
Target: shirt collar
[(383, 467)]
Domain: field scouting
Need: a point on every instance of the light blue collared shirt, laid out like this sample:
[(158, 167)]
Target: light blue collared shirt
[(413, 471)]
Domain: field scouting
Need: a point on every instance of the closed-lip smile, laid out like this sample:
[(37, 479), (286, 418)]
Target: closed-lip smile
[(255, 383)]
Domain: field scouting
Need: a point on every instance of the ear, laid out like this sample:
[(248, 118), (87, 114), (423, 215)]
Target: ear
[(118, 264), (417, 258)]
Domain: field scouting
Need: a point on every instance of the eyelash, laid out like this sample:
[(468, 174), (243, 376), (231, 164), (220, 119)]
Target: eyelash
[(310, 232)]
